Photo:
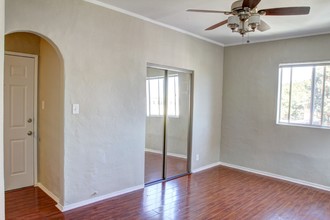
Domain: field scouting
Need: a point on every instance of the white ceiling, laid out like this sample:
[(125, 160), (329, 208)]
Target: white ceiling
[(173, 13)]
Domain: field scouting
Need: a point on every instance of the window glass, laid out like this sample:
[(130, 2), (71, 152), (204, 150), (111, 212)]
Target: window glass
[(285, 95), (300, 108), (304, 94), (318, 95), (155, 87), (155, 96), (326, 108), (173, 98)]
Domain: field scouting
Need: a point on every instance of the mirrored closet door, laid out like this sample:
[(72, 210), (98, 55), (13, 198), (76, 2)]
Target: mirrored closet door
[(168, 123)]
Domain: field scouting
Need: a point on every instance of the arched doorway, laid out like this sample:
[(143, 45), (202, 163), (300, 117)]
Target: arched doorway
[(44, 128)]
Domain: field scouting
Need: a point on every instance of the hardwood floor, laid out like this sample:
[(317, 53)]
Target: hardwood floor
[(218, 193), (154, 166), (29, 203)]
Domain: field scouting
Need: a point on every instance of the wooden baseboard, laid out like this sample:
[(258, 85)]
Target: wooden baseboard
[(48, 192), (206, 167), (276, 176), (68, 207)]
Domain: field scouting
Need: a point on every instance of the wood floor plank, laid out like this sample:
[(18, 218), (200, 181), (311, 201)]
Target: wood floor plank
[(154, 166), (217, 193)]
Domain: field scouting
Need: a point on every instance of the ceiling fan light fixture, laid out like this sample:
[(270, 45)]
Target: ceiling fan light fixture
[(233, 23), (254, 21), (243, 27)]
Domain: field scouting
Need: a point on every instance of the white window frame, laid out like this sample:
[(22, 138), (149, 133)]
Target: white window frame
[(279, 96), (176, 101)]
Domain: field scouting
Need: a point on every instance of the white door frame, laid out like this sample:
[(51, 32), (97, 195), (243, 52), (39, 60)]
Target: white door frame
[(35, 110)]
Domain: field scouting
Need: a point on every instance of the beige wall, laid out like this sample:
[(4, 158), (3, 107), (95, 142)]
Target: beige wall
[(2, 27), (250, 136), (23, 43), (51, 126), (105, 54), (50, 119)]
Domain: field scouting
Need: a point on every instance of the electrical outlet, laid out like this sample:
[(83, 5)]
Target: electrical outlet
[(197, 156)]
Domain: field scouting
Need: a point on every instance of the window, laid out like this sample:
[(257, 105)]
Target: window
[(155, 96), (304, 94)]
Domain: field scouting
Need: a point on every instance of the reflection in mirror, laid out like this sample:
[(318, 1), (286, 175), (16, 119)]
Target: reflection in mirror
[(154, 125), (167, 132), (177, 123)]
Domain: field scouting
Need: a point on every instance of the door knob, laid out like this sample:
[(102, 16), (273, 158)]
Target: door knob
[(29, 120), (29, 133)]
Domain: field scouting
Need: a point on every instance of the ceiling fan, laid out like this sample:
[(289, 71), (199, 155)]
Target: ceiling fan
[(245, 17)]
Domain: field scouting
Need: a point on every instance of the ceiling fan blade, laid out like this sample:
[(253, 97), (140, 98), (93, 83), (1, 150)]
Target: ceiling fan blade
[(286, 11), (208, 11), (216, 25), (263, 26), (250, 3)]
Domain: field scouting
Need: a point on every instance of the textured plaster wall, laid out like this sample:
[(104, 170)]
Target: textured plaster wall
[(23, 43), (206, 60), (105, 54), (50, 121), (250, 136)]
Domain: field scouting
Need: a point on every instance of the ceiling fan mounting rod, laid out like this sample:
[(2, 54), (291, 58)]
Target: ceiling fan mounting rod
[(243, 15)]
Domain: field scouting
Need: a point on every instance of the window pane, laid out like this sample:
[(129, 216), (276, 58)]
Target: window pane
[(154, 97), (148, 97), (305, 94), (318, 95), (326, 108), (171, 96), (285, 94), (300, 109), (176, 80), (161, 96), (173, 99)]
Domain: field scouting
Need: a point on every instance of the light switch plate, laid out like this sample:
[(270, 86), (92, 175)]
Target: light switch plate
[(75, 109)]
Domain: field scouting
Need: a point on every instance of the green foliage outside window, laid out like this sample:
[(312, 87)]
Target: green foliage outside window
[(305, 95)]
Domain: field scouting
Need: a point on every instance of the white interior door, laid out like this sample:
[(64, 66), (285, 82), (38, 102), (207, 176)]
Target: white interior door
[(19, 121)]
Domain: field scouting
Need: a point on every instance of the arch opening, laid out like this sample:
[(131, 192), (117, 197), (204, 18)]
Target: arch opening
[(49, 108)]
